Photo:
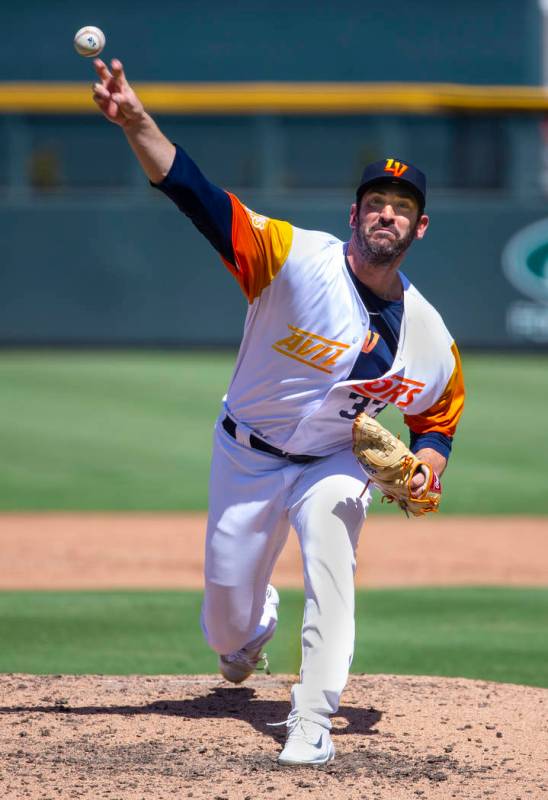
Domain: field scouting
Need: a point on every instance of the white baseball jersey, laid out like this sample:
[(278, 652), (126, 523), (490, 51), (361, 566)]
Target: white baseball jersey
[(305, 327)]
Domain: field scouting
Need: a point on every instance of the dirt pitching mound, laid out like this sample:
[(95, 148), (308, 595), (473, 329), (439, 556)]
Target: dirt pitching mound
[(198, 737)]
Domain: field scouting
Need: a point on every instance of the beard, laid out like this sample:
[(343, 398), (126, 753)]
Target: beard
[(382, 252)]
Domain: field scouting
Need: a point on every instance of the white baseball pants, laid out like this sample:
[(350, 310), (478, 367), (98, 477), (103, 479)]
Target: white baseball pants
[(253, 499)]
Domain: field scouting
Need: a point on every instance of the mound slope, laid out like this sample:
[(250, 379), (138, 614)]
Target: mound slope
[(198, 737)]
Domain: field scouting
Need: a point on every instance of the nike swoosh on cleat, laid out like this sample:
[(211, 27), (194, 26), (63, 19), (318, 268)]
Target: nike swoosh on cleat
[(318, 744)]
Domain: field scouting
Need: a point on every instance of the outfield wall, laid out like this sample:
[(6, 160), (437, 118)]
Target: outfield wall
[(130, 272), (298, 98), (495, 41)]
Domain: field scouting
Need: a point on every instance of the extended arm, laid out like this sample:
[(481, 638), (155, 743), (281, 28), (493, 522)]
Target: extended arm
[(168, 167), (120, 105), (253, 247)]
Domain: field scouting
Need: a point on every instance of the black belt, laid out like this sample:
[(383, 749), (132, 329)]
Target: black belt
[(258, 444)]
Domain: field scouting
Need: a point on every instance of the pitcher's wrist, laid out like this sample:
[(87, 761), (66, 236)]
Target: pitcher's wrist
[(137, 123)]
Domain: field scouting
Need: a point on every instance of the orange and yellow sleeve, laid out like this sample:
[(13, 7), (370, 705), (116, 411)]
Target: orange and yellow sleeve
[(261, 247), (444, 415)]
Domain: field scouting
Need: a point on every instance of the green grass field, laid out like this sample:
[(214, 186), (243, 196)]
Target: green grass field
[(488, 633), (132, 431)]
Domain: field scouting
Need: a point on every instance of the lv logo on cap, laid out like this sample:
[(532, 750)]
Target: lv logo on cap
[(395, 167)]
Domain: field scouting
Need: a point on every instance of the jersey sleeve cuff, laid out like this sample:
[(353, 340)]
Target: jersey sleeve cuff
[(434, 440), (173, 176)]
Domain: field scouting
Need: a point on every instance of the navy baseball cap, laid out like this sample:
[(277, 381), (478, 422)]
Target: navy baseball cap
[(394, 170)]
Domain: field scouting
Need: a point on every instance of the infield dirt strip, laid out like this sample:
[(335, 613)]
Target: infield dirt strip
[(397, 738), (101, 551)]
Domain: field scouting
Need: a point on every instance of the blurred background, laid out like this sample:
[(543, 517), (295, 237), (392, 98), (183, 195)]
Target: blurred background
[(93, 256), (283, 104), (118, 323)]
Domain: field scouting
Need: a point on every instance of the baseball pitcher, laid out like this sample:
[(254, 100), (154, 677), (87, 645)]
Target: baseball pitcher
[(334, 333)]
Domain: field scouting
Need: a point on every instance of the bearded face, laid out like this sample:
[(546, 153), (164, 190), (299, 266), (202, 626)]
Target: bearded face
[(381, 247), (385, 225)]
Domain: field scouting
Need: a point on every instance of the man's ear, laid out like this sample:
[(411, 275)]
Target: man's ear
[(422, 226), (353, 221)]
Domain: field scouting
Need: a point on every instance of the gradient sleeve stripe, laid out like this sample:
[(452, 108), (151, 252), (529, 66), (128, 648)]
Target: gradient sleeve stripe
[(444, 415), (261, 246)]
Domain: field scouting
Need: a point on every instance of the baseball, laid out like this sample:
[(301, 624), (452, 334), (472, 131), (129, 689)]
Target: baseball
[(89, 41)]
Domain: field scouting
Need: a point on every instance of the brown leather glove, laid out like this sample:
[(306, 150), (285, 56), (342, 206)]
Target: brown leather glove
[(390, 466)]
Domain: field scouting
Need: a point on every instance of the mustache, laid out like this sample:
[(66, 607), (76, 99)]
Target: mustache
[(389, 228)]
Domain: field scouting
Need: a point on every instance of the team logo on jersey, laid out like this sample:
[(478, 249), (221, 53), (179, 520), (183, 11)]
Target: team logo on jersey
[(257, 220), (397, 168), (311, 349), (370, 341), (397, 390)]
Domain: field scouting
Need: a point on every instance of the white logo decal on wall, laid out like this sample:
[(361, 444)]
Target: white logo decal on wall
[(525, 264), (525, 261)]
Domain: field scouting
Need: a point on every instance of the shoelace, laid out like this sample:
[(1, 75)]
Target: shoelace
[(296, 727), (250, 661)]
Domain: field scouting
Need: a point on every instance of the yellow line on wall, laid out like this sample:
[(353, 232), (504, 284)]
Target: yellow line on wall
[(282, 98)]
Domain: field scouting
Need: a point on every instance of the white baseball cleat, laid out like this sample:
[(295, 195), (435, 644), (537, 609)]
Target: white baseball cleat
[(236, 667), (308, 743)]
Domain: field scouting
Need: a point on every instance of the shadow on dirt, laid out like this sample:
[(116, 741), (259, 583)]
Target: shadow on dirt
[(228, 703)]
